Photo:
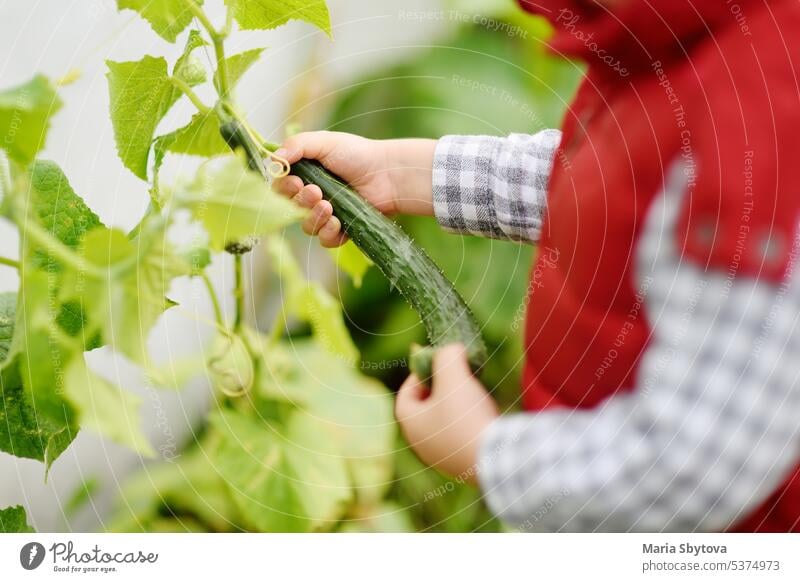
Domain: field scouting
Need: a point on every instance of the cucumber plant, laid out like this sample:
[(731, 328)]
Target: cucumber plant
[(284, 448)]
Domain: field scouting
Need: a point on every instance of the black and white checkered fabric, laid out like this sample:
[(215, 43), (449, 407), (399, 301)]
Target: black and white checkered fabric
[(493, 186), (714, 424)]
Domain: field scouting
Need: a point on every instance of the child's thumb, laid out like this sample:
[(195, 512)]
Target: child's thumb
[(450, 362)]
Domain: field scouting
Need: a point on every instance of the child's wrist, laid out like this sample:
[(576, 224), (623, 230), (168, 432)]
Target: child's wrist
[(410, 166)]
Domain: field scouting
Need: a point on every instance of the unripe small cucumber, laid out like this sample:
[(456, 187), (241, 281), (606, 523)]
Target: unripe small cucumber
[(443, 312)]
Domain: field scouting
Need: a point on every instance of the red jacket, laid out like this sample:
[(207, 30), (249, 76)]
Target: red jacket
[(711, 82)]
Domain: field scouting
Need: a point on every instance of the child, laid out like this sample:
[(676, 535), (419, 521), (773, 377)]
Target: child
[(661, 379)]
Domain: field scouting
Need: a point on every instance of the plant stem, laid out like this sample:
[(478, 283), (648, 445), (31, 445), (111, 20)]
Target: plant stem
[(152, 208), (218, 40), (184, 88), (238, 292), (9, 262), (228, 21), (212, 294), (222, 67), (200, 14)]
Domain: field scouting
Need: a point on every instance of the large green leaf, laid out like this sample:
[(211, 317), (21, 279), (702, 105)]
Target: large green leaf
[(234, 203), (167, 17), (188, 486), (293, 480), (25, 113), (267, 14), (23, 432), (140, 94), (105, 409), (126, 294), (357, 410), (14, 520)]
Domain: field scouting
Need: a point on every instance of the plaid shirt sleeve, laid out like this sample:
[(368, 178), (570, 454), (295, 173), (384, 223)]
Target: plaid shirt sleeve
[(492, 186), (710, 432)]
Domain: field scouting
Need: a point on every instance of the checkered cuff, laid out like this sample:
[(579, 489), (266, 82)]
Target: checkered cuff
[(491, 186)]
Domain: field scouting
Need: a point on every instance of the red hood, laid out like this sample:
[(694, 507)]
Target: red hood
[(627, 34)]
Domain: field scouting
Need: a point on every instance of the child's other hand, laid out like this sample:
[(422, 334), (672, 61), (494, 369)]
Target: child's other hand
[(444, 425), (358, 161)]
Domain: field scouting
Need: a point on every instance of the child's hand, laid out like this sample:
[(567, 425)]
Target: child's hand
[(444, 426), (393, 175)]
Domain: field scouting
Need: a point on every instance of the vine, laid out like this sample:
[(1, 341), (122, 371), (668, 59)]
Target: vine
[(278, 425)]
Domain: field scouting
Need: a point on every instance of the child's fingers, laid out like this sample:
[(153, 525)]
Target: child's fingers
[(288, 185), (331, 234), (318, 217), (410, 397), (311, 144), (309, 196)]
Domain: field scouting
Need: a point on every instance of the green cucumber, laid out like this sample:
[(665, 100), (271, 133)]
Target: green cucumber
[(443, 312)]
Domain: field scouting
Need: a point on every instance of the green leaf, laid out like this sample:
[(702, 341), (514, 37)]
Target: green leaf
[(188, 67), (61, 211), (129, 296), (197, 256), (282, 482), (357, 409), (81, 495), (40, 351), (268, 14), (315, 305), (14, 520), (140, 94), (5, 180), (388, 517), (64, 214), (105, 409), (38, 423), (73, 319), (23, 432), (238, 64), (311, 302), (189, 486), (234, 203), (25, 113), (8, 311), (352, 261), (200, 137), (168, 18)]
